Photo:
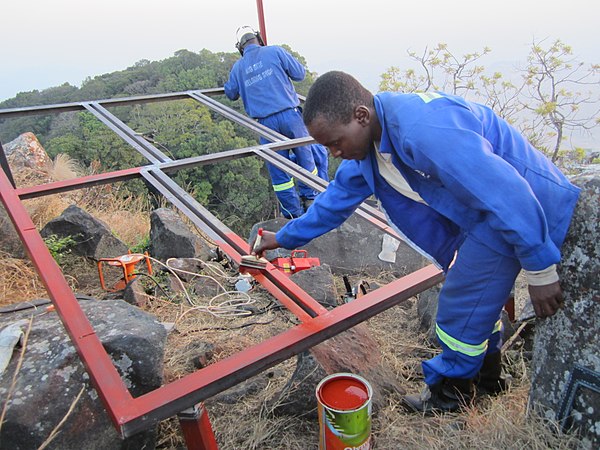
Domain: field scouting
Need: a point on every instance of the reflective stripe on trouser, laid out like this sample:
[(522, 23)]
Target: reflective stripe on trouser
[(290, 124), (471, 301)]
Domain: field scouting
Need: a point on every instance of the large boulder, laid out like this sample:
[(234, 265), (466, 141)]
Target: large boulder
[(353, 248), (52, 375), (171, 238), (318, 282), (565, 384), (92, 237), (26, 151)]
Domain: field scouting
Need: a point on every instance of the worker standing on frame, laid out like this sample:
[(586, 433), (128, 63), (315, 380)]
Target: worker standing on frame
[(263, 78)]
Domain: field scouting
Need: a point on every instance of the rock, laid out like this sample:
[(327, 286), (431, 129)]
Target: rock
[(92, 236), (427, 312), (317, 282), (186, 268), (52, 375), (135, 294), (569, 339), (9, 239), (353, 248), (171, 238), (26, 151), (197, 354)]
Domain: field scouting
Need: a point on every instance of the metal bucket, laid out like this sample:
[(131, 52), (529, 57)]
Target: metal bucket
[(344, 403)]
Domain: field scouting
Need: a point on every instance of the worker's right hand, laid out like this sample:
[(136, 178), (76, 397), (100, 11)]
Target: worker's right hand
[(268, 242)]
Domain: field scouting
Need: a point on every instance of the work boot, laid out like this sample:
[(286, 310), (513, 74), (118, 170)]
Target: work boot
[(449, 395), (490, 380)]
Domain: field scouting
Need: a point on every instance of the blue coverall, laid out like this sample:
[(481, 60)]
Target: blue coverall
[(262, 78), (487, 193)]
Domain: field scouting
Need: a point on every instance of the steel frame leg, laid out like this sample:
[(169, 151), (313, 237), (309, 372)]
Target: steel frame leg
[(197, 430)]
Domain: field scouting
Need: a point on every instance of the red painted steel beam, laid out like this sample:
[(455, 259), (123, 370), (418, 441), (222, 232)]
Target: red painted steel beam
[(261, 20), (98, 364), (78, 183), (197, 430)]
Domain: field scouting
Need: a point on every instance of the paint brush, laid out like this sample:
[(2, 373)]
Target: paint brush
[(253, 261)]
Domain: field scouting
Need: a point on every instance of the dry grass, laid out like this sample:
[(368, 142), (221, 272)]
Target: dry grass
[(64, 168), (18, 281)]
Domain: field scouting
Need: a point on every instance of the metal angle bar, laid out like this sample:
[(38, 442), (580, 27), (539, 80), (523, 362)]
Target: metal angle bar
[(211, 158), (166, 401), (230, 154), (98, 364), (78, 183), (580, 377), (78, 106), (197, 430), (4, 165), (143, 147), (288, 293), (238, 118), (373, 215)]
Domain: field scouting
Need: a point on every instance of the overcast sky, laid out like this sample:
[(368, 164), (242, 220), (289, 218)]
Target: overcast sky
[(46, 43)]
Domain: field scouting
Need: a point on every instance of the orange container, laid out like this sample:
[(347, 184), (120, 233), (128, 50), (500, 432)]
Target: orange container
[(344, 403)]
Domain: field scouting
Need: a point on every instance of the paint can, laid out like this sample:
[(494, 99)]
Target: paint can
[(344, 403)]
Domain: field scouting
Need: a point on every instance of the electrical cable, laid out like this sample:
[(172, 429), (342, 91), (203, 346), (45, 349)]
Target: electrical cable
[(227, 308), (166, 294)]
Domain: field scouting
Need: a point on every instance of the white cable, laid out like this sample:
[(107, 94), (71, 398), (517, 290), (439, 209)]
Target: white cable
[(226, 308)]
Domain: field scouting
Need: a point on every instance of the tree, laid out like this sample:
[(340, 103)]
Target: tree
[(559, 88), (554, 95), (441, 70)]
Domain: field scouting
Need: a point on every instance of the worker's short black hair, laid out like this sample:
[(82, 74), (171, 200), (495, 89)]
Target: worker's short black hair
[(335, 95)]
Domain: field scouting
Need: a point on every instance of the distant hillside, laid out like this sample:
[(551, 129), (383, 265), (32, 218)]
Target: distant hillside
[(185, 70), (238, 190)]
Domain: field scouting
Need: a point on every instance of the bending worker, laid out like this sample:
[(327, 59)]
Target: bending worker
[(451, 177), (262, 77)]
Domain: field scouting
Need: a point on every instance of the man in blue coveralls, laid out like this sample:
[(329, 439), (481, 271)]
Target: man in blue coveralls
[(462, 187), (262, 77)]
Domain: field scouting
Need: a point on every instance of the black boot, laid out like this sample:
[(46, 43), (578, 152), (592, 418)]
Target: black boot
[(449, 395), (490, 380)]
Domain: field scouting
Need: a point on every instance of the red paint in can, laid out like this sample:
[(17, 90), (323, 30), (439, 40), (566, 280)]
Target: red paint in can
[(344, 412)]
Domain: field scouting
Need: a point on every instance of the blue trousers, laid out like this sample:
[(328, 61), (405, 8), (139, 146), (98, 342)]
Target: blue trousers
[(476, 289), (289, 123)]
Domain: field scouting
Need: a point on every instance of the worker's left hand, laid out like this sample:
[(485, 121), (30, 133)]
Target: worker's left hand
[(546, 299)]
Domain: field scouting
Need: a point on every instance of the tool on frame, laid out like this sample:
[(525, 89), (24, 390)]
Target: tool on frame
[(253, 261)]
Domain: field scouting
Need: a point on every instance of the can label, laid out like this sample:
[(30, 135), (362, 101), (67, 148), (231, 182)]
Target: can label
[(344, 412)]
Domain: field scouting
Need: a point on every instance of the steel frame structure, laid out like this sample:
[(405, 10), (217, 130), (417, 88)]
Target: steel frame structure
[(184, 396)]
